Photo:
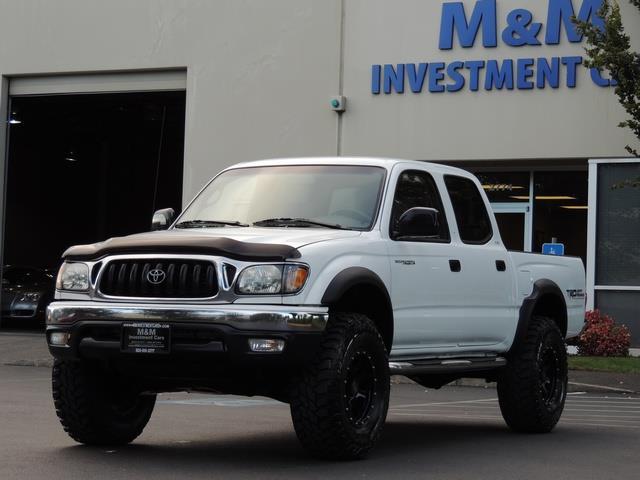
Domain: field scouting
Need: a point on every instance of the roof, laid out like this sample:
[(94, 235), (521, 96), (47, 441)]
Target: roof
[(387, 163)]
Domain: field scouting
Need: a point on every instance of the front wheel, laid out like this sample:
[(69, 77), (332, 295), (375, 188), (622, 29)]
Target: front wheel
[(533, 388), (98, 409), (340, 403)]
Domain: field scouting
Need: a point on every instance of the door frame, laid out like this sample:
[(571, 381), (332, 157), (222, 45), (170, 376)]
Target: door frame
[(18, 84), (592, 217), (518, 208)]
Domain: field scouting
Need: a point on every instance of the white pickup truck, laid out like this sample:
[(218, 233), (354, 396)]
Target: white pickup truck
[(311, 281)]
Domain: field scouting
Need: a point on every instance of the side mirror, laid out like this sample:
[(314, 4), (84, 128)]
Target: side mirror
[(418, 222), (162, 219)]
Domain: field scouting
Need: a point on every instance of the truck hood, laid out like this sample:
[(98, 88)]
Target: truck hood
[(241, 243)]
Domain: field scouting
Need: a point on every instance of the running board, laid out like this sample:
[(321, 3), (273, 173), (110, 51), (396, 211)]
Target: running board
[(445, 365)]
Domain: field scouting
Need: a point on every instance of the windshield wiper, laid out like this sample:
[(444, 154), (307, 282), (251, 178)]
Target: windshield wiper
[(297, 222), (210, 223)]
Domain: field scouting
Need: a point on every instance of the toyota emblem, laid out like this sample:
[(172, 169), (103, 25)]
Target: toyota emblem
[(156, 276)]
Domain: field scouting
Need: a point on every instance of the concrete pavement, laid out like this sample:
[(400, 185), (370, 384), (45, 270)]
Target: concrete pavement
[(452, 433)]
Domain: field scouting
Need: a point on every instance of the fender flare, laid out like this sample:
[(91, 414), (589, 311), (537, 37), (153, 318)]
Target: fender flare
[(541, 288), (359, 276)]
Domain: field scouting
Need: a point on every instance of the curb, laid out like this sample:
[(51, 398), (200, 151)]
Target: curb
[(480, 383), (395, 380), (599, 388), (43, 362)]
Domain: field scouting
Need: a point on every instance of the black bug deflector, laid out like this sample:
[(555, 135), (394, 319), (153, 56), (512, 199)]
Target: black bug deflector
[(174, 242)]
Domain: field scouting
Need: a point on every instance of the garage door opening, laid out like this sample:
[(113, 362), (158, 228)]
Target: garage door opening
[(80, 169)]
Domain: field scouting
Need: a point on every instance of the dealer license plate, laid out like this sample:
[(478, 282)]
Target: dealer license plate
[(146, 338)]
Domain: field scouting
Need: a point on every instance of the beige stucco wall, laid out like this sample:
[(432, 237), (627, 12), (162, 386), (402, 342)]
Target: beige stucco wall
[(519, 124), (260, 73)]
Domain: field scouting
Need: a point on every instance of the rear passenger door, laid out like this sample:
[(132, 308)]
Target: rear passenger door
[(484, 283)]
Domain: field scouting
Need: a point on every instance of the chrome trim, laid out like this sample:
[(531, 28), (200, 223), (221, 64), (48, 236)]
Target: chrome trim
[(216, 261), (445, 365), (226, 287), (456, 362), (244, 317)]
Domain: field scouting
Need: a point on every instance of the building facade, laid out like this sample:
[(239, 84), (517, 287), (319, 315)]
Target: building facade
[(116, 108)]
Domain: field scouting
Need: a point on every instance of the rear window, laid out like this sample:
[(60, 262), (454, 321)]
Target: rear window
[(471, 215)]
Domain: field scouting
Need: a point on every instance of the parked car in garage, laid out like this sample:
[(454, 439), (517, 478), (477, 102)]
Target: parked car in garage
[(26, 292)]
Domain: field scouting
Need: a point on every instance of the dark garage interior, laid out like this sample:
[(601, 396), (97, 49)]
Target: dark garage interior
[(83, 168)]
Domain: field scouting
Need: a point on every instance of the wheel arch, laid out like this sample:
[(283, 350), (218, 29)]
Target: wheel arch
[(360, 290), (547, 300)]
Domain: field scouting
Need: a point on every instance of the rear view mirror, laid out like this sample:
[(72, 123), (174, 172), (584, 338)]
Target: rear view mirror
[(162, 219), (418, 222)]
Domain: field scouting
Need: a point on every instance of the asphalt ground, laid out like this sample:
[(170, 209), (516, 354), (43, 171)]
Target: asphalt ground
[(452, 433)]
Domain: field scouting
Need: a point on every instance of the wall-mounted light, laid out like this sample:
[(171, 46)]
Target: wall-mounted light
[(501, 187), (71, 156), (543, 197), (14, 119)]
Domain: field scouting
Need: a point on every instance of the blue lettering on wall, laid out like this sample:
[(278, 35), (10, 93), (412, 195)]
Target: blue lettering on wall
[(548, 73), (519, 29), (375, 79), (499, 77), (572, 67), (474, 67), (560, 13), (453, 71), (416, 76), (436, 75), (598, 79), (454, 19), (393, 78), (525, 72)]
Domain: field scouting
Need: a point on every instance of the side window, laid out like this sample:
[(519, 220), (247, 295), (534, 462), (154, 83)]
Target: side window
[(471, 215), (416, 188)]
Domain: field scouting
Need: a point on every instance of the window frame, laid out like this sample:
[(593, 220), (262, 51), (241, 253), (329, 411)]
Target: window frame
[(491, 234), (441, 211)]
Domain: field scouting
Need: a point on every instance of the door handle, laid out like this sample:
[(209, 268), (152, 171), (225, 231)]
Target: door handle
[(455, 265), (501, 266)]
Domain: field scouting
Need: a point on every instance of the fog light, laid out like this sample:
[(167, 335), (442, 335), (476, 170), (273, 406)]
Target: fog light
[(266, 345), (59, 339)]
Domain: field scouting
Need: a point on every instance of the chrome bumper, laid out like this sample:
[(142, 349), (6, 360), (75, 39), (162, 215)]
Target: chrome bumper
[(281, 318)]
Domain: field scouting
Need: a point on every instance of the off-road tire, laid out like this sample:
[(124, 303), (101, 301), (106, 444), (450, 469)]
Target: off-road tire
[(533, 388), (95, 408), (339, 404)]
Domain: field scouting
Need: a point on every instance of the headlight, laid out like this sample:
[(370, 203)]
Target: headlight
[(29, 297), (73, 276), (272, 279)]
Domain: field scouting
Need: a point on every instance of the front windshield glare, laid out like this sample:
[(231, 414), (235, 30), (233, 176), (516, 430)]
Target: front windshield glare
[(344, 196)]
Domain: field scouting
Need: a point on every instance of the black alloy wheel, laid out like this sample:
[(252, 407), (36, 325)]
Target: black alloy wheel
[(533, 386), (339, 404)]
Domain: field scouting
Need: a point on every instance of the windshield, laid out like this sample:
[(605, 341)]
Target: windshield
[(301, 195)]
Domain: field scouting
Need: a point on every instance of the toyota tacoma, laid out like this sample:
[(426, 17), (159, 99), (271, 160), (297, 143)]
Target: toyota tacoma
[(312, 281)]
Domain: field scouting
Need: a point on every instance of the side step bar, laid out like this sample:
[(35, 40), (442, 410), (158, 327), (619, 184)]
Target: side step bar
[(445, 365)]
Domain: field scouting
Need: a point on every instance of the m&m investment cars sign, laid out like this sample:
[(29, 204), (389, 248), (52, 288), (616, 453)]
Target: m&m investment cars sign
[(519, 29)]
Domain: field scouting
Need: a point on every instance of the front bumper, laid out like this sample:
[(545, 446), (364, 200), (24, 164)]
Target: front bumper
[(244, 317), (206, 340)]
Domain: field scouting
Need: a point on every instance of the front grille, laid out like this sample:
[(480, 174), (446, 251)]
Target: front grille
[(160, 278)]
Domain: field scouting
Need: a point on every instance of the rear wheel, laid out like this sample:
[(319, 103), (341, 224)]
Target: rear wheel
[(98, 409), (533, 388), (340, 404)]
